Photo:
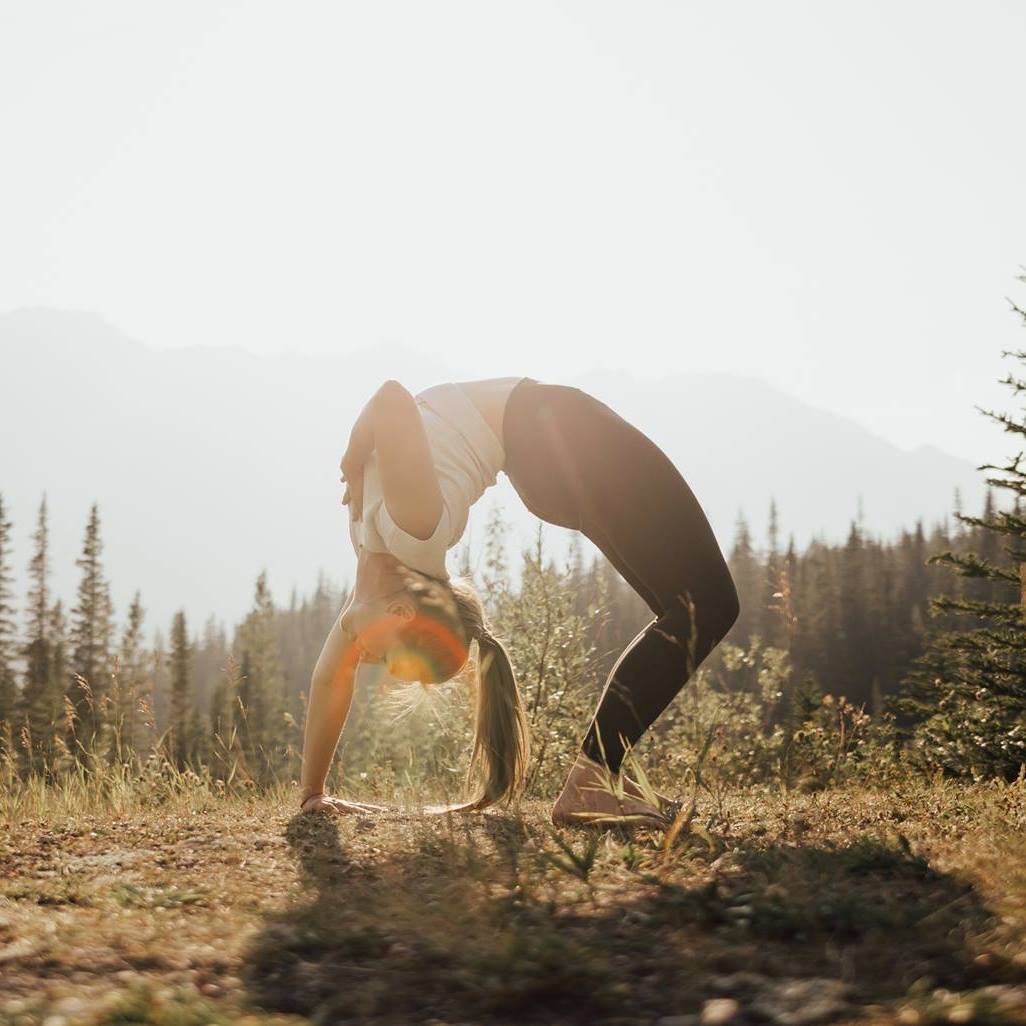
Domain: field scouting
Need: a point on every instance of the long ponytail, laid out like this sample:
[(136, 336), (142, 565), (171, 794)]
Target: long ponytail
[(450, 616), (501, 734)]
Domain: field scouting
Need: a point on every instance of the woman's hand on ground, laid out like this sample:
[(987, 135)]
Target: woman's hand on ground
[(340, 806)]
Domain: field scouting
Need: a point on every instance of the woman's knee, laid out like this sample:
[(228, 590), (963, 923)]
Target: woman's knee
[(724, 607), (731, 604), (714, 608)]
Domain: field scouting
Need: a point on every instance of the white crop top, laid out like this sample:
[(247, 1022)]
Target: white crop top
[(467, 457)]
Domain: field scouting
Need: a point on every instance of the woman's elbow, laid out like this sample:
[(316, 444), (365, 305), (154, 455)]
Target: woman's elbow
[(391, 389)]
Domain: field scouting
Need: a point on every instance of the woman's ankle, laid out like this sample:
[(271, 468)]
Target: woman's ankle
[(586, 776), (586, 765)]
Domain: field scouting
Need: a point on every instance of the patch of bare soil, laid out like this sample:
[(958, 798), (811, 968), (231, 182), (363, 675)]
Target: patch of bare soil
[(830, 908)]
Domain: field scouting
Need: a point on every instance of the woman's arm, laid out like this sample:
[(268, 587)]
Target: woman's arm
[(361, 444), (409, 481), (331, 694), (390, 424)]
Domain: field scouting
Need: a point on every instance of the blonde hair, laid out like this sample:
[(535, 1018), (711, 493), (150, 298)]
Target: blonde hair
[(449, 615)]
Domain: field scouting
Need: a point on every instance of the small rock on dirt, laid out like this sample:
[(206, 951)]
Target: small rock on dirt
[(719, 1012), (1006, 996), (802, 1002)]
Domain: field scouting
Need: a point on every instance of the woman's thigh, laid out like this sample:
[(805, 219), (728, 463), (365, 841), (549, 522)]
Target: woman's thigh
[(577, 463)]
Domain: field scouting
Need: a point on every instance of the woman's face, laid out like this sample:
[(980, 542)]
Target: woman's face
[(376, 624)]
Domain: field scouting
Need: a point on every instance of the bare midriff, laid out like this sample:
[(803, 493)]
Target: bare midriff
[(489, 395)]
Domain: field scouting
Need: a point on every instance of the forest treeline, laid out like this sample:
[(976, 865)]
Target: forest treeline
[(75, 680), (863, 656)]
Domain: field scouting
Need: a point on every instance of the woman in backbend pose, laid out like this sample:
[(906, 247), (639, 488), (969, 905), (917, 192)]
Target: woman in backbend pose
[(413, 467)]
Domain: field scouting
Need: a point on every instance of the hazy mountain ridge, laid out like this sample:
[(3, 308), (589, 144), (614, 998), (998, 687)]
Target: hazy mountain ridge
[(210, 463)]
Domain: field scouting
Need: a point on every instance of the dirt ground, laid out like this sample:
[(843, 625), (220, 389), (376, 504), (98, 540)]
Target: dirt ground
[(839, 906)]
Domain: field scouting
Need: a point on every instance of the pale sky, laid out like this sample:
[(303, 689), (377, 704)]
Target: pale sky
[(829, 196)]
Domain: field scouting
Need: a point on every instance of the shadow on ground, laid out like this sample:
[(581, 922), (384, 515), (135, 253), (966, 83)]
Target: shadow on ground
[(485, 919)]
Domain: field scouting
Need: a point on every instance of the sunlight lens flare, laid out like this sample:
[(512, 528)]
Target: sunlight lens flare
[(432, 652)]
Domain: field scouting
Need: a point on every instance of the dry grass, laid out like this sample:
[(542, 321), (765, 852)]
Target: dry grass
[(204, 909)]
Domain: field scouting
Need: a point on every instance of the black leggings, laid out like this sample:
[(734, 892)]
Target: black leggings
[(576, 463)]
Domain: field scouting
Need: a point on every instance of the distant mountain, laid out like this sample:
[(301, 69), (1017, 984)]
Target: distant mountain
[(211, 463)]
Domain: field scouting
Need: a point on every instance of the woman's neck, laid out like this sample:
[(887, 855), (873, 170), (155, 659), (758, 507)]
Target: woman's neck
[(376, 575)]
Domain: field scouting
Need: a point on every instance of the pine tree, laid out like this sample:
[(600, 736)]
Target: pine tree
[(987, 546), (958, 511), (854, 673), (160, 687), (816, 644), (495, 580), (39, 574), (464, 566), (221, 719), (966, 694), (209, 653), (748, 577), (91, 635), (131, 679), (36, 716), (261, 692), (53, 709), (807, 699), (771, 627), (8, 639), (244, 705), (178, 728), (197, 747)]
